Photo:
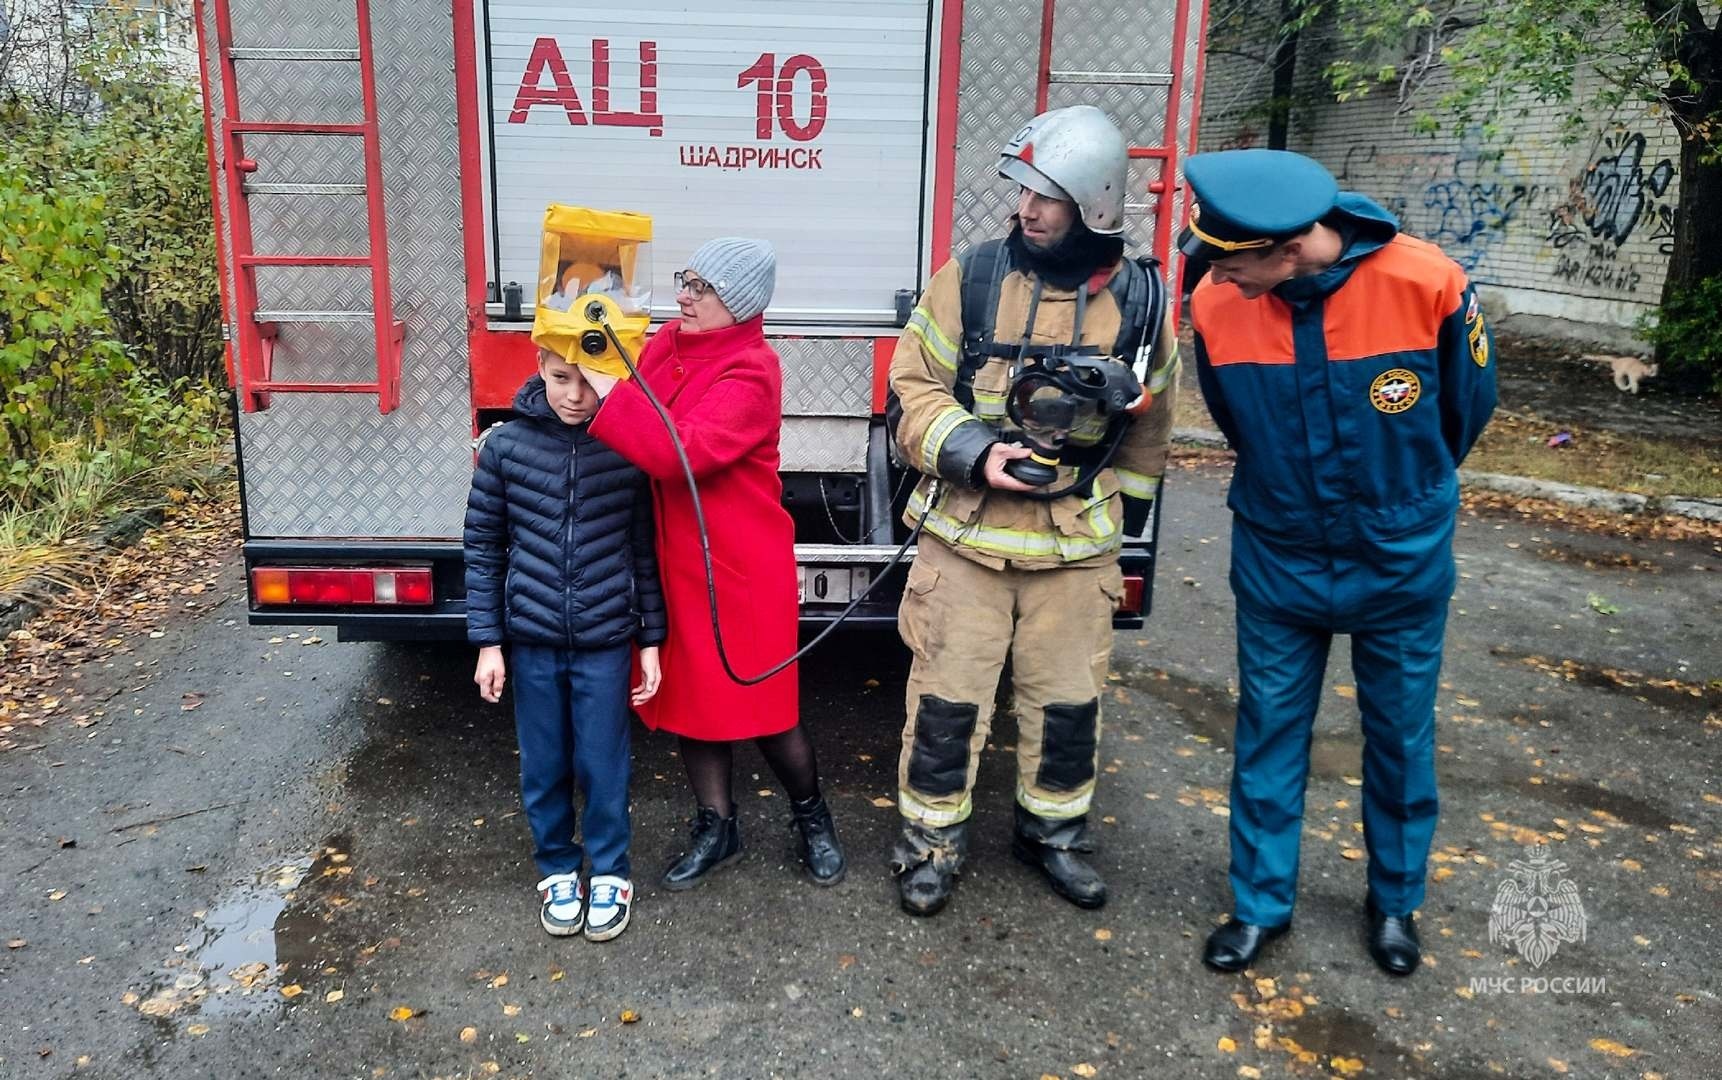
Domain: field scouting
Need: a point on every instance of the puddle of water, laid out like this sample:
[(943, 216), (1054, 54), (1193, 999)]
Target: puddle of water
[(255, 938)]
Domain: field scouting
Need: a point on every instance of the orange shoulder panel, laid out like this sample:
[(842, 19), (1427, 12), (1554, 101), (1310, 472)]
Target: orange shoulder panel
[(1239, 331), (1394, 302)]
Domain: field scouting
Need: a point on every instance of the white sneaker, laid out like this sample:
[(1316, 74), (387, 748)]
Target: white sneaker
[(612, 901), (563, 912)]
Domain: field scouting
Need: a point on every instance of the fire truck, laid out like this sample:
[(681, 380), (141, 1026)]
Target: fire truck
[(381, 170)]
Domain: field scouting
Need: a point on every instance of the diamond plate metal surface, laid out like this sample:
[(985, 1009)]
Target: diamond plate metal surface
[(827, 376), (329, 465), (1001, 51), (1112, 35), (824, 444)]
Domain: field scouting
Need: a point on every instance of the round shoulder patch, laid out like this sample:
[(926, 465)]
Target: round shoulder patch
[(1395, 390)]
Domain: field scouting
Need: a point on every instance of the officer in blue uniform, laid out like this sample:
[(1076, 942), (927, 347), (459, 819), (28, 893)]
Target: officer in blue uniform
[(1350, 368)]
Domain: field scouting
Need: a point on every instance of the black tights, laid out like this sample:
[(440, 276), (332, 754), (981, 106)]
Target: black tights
[(789, 753)]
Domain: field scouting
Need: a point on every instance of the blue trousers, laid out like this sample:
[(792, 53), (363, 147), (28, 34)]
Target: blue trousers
[(1280, 674), (571, 714)]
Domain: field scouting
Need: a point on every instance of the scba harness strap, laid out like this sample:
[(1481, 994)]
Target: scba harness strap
[(1136, 289)]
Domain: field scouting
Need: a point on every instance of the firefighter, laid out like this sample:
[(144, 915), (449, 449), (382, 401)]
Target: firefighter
[(1350, 368), (1028, 489)]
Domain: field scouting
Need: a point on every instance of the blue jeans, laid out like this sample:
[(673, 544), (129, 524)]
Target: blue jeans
[(571, 713)]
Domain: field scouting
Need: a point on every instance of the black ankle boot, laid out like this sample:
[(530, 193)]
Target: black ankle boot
[(819, 847), (716, 842), (1053, 848), (926, 861)]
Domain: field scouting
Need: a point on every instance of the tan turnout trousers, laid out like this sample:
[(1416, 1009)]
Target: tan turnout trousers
[(962, 619)]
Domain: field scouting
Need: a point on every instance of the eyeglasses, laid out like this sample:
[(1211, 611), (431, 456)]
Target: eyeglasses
[(696, 288)]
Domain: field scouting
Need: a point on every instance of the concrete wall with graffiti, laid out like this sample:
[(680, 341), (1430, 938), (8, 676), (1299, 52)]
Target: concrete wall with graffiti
[(1577, 232)]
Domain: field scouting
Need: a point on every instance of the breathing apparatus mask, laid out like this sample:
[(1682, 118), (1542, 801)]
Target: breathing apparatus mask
[(594, 270), (1053, 390)]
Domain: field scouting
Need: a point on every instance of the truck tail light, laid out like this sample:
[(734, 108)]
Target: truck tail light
[(1132, 601), (394, 586)]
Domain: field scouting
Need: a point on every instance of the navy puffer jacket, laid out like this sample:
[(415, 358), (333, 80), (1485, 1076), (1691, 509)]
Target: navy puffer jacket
[(559, 546)]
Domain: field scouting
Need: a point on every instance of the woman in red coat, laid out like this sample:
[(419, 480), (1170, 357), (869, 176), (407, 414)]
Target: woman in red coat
[(723, 388)]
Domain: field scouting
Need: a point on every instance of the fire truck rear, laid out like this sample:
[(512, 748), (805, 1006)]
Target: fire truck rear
[(382, 167)]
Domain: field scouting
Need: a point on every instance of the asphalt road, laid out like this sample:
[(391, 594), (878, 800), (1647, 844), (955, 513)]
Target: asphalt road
[(349, 891)]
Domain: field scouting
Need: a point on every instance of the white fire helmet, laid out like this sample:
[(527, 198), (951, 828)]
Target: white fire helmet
[(1076, 154)]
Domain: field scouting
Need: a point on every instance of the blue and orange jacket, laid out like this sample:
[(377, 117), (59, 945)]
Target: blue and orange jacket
[(1351, 396)]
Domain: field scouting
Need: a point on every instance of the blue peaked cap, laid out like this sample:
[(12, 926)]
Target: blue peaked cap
[(1247, 199)]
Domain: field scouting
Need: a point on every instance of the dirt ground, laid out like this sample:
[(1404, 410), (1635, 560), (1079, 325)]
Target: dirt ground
[(1554, 380)]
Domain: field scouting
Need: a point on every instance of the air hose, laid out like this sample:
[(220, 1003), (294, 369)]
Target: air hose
[(596, 313)]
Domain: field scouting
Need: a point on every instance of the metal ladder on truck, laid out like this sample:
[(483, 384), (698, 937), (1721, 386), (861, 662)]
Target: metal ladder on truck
[(253, 332)]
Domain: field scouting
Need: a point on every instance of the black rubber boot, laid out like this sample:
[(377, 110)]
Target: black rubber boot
[(819, 847), (716, 842), (1052, 847), (926, 861)]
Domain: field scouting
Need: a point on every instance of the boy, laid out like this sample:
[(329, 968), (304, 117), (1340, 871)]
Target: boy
[(560, 564)]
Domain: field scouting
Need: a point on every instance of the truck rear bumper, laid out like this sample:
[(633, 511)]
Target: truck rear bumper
[(831, 575)]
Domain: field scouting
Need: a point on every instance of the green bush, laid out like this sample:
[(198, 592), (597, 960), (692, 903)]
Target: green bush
[(58, 356), (110, 348), (1687, 334)]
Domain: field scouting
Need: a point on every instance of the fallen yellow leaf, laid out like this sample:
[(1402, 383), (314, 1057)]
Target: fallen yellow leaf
[(1249, 1072), (629, 1016), (1346, 1066), (1442, 873), (511, 1010), (1609, 1046), (1659, 890), (1352, 853), (588, 1033), (1557, 1065), (1347, 692), (292, 991), (1103, 934), (400, 1012), (197, 1029), (884, 803), (469, 1035), (334, 995), (491, 1067), (1083, 1068), (57, 894), (499, 981), (1465, 992), (1228, 1045)]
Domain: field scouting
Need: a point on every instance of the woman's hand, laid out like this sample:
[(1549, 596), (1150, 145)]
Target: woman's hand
[(491, 673), (651, 677), (601, 383)]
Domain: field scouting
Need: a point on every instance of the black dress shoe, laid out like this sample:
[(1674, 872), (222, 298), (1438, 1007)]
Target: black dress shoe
[(716, 842), (1055, 848), (1393, 940), (819, 848), (926, 861), (1235, 946)]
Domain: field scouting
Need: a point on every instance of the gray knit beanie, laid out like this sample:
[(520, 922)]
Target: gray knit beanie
[(743, 272)]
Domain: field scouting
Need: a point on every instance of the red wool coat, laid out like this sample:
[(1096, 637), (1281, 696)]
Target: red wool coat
[(724, 391)]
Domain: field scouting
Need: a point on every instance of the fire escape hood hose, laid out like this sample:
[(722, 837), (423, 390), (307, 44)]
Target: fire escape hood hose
[(705, 538)]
